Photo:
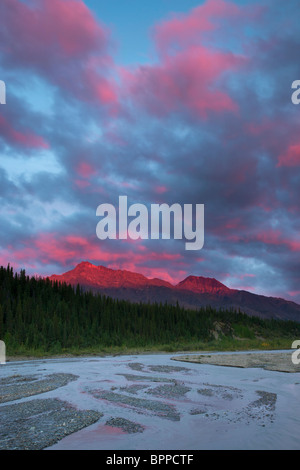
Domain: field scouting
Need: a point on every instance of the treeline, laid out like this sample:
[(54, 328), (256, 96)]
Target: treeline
[(37, 314)]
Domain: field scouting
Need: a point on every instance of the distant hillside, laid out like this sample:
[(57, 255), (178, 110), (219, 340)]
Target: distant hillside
[(40, 316), (193, 292)]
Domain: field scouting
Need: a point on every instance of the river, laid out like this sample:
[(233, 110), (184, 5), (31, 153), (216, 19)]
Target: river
[(150, 402)]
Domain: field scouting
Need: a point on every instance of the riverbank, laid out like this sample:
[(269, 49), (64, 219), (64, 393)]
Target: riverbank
[(277, 361), (224, 344)]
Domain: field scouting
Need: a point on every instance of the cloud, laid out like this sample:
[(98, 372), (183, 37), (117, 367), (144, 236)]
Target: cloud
[(23, 139), (291, 158), (190, 74), (55, 249), (62, 42), (208, 120), (184, 30), (184, 82)]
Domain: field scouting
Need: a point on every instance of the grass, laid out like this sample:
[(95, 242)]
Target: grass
[(224, 343)]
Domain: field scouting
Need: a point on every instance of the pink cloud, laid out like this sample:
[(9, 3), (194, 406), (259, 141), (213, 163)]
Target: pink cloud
[(69, 250), (186, 81), (234, 224), (173, 276), (275, 237), (85, 170), (76, 45), (188, 75), (190, 70), (294, 293), (230, 229), (82, 184), (187, 29), (24, 139), (294, 245), (291, 157), (161, 189), (270, 237), (257, 129), (51, 248)]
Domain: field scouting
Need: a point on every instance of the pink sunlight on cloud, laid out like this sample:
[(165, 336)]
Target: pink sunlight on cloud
[(77, 45), (188, 29), (291, 158), (275, 237), (82, 184), (68, 26), (294, 293), (184, 82), (24, 139), (173, 276), (187, 78), (51, 249), (269, 238), (161, 189), (85, 170), (191, 105), (75, 28)]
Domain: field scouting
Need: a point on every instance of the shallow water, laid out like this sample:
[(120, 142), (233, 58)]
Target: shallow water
[(177, 405)]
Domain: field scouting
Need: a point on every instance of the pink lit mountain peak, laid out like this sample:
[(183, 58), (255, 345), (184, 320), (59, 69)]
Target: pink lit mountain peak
[(193, 292)]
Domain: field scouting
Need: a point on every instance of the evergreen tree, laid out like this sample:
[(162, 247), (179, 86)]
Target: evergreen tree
[(39, 314)]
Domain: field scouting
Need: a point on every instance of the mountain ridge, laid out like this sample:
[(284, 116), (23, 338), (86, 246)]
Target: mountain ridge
[(192, 292)]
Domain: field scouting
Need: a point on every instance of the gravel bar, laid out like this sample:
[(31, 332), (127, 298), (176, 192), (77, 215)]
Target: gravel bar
[(277, 361), (17, 387), (127, 426), (162, 410), (40, 423)]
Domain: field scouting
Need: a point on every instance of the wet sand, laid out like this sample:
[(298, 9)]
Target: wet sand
[(277, 361)]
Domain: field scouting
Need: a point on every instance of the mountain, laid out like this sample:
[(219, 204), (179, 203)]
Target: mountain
[(86, 274), (203, 285), (193, 292)]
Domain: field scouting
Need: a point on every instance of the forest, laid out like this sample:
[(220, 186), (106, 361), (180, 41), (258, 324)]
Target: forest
[(38, 316)]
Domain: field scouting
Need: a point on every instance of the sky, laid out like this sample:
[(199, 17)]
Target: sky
[(168, 101)]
